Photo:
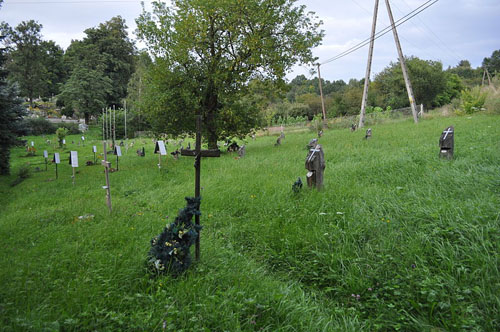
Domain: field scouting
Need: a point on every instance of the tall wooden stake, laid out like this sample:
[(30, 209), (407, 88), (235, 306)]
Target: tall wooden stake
[(107, 165), (403, 64), (103, 133), (114, 126), (321, 94), (368, 68)]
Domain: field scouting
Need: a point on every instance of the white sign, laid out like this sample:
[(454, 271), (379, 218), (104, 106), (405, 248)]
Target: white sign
[(118, 151), (83, 138), (32, 143), (94, 149), (57, 159), (160, 145), (74, 159), (45, 154), (64, 141)]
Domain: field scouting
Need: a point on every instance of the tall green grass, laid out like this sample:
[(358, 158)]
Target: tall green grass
[(397, 240)]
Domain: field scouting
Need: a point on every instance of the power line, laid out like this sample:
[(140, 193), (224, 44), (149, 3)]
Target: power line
[(384, 31), (71, 2)]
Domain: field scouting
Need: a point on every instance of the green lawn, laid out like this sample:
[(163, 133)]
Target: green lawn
[(397, 240)]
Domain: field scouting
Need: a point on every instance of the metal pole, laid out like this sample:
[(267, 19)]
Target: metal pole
[(106, 171), (321, 94), (368, 68), (403, 64), (126, 119), (103, 135), (114, 126), (197, 184)]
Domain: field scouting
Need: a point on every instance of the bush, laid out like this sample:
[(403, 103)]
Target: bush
[(471, 101), (39, 126), (71, 127), (61, 134)]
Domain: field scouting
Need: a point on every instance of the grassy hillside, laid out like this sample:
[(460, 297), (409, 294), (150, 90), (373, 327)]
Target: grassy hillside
[(397, 240)]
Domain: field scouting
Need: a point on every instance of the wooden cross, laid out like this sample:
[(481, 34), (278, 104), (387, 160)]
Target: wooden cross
[(312, 154), (198, 153), (107, 165)]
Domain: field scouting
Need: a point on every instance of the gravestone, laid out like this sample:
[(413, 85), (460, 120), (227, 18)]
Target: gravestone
[(368, 133), (315, 164), (94, 150), (176, 154), (118, 153), (320, 133), (447, 143), (46, 156), (160, 148), (242, 151), (282, 135), (233, 147), (73, 161), (141, 152), (278, 142), (353, 127)]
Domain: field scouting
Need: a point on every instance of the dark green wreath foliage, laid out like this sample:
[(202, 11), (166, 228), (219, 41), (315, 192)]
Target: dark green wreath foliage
[(169, 251)]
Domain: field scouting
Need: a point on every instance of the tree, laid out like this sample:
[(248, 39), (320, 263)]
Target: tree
[(55, 71), (206, 53), (108, 49), (11, 112), (492, 64), (26, 59), (86, 91), (427, 78)]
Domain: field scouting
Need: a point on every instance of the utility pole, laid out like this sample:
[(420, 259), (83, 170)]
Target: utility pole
[(368, 68), (321, 94), (403, 64)]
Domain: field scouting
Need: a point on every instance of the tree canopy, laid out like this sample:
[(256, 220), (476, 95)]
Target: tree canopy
[(206, 53)]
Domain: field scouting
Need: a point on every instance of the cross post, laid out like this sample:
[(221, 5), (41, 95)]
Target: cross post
[(198, 153), (107, 165)]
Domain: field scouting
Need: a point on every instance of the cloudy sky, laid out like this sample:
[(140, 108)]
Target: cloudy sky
[(448, 31)]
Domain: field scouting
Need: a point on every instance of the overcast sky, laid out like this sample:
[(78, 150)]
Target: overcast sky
[(448, 31)]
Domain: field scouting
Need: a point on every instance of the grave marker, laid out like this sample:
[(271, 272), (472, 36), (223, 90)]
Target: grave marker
[(315, 164), (83, 140), (56, 160), (368, 133), (242, 151), (73, 161), (160, 147), (198, 153), (141, 152), (447, 143), (107, 165), (312, 144), (118, 153), (94, 150), (46, 156), (32, 143)]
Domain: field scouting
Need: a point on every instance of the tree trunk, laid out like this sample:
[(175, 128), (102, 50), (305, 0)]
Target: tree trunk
[(211, 108), (87, 118)]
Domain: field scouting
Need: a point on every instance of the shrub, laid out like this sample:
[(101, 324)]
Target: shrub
[(61, 134), (71, 127), (169, 251), (39, 126), (471, 101)]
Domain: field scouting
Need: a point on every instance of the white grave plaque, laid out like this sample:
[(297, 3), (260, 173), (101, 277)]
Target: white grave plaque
[(160, 146), (32, 143), (74, 158), (83, 138), (64, 141), (45, 154), (94, 149), (57, 159), (118, 151)]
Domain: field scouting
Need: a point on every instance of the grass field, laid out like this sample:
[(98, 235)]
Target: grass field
[(397, 240)]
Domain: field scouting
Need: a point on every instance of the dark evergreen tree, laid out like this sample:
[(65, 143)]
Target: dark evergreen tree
[(11, 112)]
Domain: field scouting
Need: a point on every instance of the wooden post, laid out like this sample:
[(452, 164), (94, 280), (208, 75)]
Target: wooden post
[(114, 126), (103, 133), (107, 165), (368, 68), (403, 64), (321, 94), (198, 153)]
